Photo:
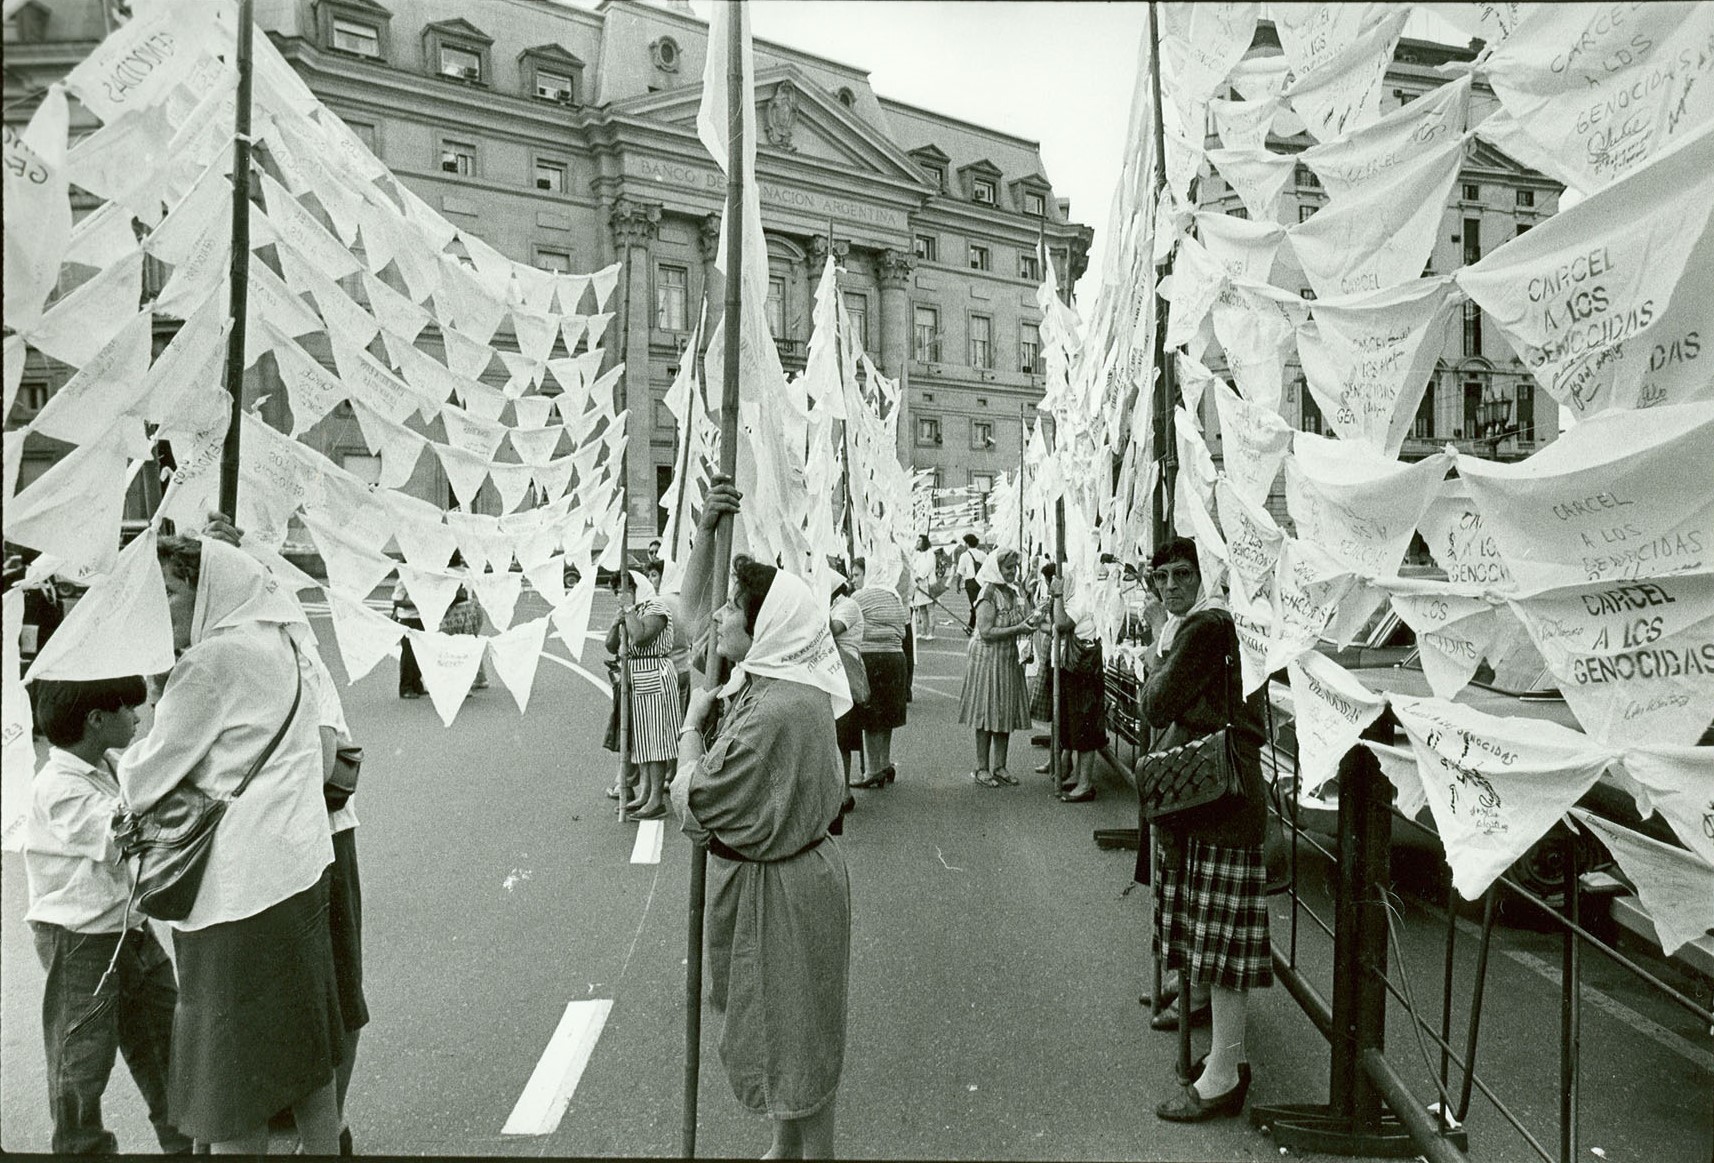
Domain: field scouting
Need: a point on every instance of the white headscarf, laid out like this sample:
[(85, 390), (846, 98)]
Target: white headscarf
[(1080, 606), (990, 575), (645, 588), (233, 589), (1169, 629), (792, 641)]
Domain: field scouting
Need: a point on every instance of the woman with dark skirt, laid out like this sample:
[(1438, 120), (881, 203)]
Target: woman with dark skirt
[(258, 1028), (1211, 917), (1082, 696), (885, 622), (845, 619)]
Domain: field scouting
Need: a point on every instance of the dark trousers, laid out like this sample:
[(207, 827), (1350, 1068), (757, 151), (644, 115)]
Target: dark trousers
[(83, 1030), (972, 590), (410, 674)]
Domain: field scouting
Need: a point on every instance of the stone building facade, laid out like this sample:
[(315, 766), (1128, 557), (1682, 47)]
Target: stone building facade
[(566, 137)]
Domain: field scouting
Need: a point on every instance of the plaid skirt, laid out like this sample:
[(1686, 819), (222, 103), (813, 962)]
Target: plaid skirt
[(1212, 916)]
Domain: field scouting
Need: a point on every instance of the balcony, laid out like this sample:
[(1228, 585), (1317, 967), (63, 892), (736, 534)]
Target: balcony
[(794, 353)]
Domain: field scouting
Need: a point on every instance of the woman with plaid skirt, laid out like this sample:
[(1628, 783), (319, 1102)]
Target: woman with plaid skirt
[(1211, 918)]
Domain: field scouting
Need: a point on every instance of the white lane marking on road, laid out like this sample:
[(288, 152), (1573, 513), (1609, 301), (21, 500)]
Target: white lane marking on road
[(647, 849), (1647, 1027), (928, 690), (550, 1088), (598, 683)]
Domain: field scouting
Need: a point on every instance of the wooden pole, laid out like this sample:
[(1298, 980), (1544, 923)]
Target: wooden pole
[(1055, 652), (1165, 450), (625, 749), (721, 565), (239, 276)]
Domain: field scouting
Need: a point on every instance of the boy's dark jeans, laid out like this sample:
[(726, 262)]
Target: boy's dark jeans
[(133, 1015)]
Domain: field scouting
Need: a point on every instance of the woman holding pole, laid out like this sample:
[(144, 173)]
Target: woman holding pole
[(761, 793), (653, 687)]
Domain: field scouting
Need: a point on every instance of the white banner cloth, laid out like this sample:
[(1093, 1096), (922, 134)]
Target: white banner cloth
[(1495, 785), (1360, 506), (1677, 782), (1330, 712), (1675, 886), (119, 627), (516, 655)]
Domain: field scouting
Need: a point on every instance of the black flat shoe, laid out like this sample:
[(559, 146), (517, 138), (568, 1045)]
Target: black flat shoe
[(1190, 1107), (1079, 798), (1169, 994), (1196, 1072), (1168, 1019)]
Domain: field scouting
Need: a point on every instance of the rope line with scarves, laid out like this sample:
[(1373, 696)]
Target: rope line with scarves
[(369, 318), (1589, 560)]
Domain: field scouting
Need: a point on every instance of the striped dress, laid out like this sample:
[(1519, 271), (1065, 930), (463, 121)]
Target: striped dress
[(655, 712), (995, 696)]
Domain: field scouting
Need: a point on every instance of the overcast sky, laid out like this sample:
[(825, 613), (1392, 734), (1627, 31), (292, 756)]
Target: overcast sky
[(1060, 73)]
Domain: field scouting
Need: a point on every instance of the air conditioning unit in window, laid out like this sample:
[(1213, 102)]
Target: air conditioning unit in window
[(937, 438), (471, 74), (544, 184), (565, 97), (449, 165)]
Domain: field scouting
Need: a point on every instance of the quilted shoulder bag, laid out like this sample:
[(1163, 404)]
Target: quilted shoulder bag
[(1193, 774), (172, 840)]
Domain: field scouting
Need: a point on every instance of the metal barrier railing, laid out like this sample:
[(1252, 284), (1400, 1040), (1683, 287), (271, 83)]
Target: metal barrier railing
[(1369, 967)]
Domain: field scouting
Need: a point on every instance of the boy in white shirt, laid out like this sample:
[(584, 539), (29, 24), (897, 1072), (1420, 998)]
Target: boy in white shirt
[(109, 989)]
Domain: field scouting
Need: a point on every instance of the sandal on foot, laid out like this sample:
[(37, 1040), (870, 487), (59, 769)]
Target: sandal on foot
[(986, 780), (1005, 777)]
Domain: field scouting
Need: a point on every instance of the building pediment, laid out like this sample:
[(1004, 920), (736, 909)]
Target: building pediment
[(1487, 156), (794, 116), (553, 54), (982, 169), (932, 154), (458, 28)]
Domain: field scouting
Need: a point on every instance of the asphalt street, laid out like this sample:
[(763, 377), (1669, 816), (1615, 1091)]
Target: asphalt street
[(996, 963)]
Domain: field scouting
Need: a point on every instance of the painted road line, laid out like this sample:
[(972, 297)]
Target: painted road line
[(928, 690), (550, 1088), (647, 849), (1647, 1027), (599, 683)]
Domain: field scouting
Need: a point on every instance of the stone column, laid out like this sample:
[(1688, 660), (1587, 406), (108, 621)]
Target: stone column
[(714, 287), (893, 270), (635, 225)]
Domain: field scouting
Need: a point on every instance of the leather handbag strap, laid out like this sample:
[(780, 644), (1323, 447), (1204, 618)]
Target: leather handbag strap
[(274, 743)]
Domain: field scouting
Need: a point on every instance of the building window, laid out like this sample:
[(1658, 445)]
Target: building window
[(981, 341), (1306, 293), (926, 346), (982, 190), (1523, 229), (458, 157), (1239, 212), (982, 434), (846, 97), (1029, 349), (1404, 96), (550, 176), (1526, 198), (927, 248), (665, 53), (1029, 266), (1423, 426), (460, 62), (361, 465), (981, 258), (33, 396), (776, 306), (857, 311), (554, 86), (1035, 205), (1306, 178), (366, 133), (1524, 411), (353, 36), (982, 482), (1311, 411), (928, 430), (1472, 410), (1306, 211), (1472, 241), (553, 260), (672, 290), (1472, 192), (1472, 329)]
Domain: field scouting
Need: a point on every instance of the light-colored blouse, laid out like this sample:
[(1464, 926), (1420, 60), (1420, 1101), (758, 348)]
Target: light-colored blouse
[(223, 701)]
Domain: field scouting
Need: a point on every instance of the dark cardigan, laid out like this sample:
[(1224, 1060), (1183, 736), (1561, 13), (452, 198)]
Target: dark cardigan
[(1184, 700)]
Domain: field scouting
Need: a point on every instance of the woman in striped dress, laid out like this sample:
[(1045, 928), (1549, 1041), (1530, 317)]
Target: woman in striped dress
[(654, 690), (995, 700)]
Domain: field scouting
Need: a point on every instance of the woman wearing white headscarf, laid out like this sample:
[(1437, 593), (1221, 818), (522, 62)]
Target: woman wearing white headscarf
[(995, 700), (763, 796), (258, 1023)]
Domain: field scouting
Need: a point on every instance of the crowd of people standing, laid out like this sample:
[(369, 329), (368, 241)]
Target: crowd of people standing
[(261, 1018)]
